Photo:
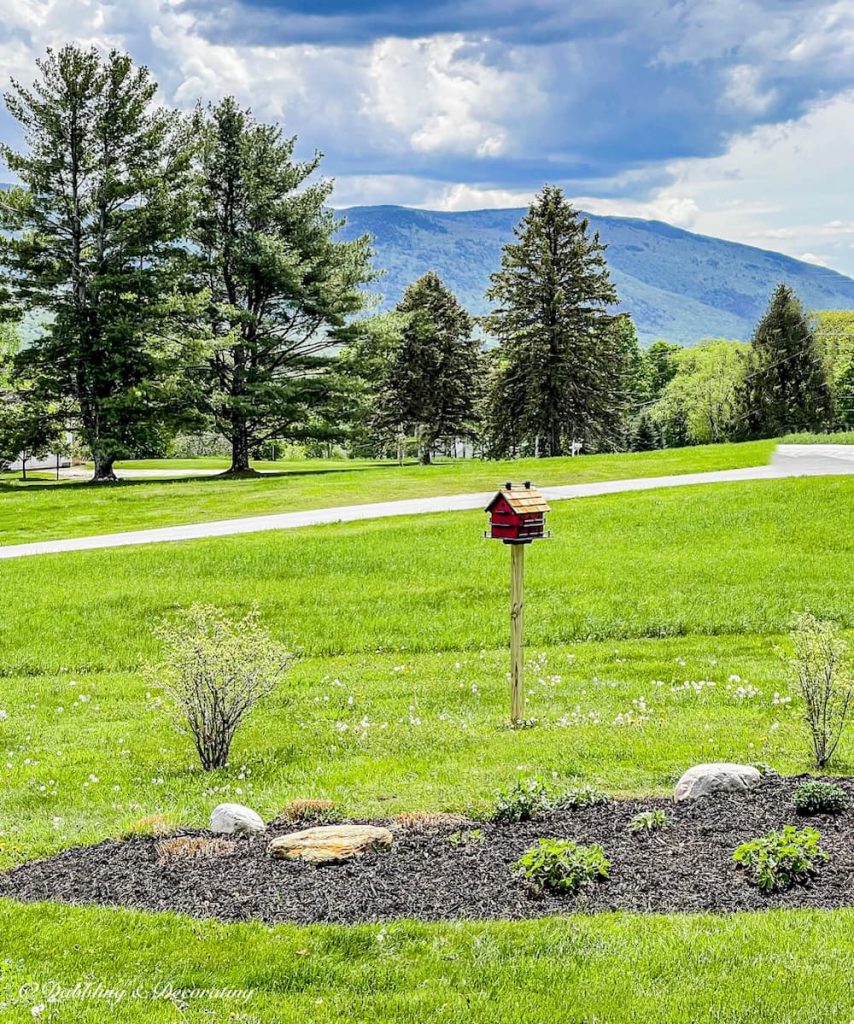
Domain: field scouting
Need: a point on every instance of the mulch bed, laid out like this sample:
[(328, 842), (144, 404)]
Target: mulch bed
[(686, 867)]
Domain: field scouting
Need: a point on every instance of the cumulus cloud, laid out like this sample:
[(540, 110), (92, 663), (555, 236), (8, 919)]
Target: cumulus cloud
[(725, 116)]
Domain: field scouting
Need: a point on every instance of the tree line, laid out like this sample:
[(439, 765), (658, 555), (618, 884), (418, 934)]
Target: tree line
[(189, 276)]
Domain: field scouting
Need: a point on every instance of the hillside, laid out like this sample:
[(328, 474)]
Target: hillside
[(676, 284)]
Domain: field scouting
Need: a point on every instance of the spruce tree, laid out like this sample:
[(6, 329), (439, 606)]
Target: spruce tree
[(786, 387), (281, 288), (564, 363), (433, 381), (95, 246)]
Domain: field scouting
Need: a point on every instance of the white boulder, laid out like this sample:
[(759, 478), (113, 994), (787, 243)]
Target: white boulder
[(722, 777), (235, 818)]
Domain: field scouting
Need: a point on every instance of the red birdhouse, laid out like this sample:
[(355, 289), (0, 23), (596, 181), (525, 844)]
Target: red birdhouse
[(517, 514)]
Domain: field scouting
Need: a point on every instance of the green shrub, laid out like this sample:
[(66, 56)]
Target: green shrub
[(524, 800), (779, 860), (215, 671), (562, 866), (820, 798), (649, 821)]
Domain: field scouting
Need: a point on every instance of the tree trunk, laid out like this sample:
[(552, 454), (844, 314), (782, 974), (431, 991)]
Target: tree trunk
[(104, 473), (425, 455), (239, 448)]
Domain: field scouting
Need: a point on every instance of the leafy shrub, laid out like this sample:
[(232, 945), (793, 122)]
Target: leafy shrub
[(779, 860), (562, 866), (215, 671), (649, 821), (825, 683), (580, 796), (820, 798), (524, 800)]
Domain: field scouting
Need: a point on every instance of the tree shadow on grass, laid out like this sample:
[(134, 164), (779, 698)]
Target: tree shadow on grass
[(19, 486)]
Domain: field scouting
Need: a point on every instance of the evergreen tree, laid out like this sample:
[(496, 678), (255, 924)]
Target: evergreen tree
[(565, 366), (281, 287), (95, 243), (433, 381), (646, 436), (786, 388)]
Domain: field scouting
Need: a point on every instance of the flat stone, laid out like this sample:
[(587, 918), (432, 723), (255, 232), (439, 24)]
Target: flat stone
[(235, 818), (330, 844), (721, 777)]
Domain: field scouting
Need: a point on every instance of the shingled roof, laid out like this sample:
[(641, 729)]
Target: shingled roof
[(521, 498)]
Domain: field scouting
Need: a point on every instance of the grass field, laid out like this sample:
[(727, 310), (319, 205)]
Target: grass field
[(42, 510), (639, 605)]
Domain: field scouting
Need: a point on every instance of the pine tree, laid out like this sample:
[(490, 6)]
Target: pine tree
[(433, 382), (786, 387), (95, 243), (281, 286), (646, 437), (564, 363)]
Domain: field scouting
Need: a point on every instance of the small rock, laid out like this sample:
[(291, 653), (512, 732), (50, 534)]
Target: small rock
[(330, 844), (231, 818), (722, 777)]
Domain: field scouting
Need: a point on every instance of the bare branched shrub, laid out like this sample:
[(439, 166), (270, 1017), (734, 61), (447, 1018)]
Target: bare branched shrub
[(417, 821), (215, 671), (193, 848), (825, 682), (308, 810)]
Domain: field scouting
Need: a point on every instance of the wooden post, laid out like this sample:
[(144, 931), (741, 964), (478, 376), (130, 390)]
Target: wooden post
[(517, 644)]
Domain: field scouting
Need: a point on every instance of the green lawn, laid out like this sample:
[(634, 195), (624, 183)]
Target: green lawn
[(639, 604), (785, 968), (41, 509)]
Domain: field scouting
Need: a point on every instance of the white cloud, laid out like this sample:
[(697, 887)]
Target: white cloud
[(440, 95), (787, 184)]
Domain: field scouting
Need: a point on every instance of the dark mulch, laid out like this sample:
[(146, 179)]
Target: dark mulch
[(686, 867)]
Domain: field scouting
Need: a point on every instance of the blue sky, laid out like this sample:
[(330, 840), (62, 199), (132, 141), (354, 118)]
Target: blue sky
[(730, 117)]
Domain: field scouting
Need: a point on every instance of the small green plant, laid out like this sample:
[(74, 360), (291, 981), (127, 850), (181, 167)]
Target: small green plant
[(524, 800), (561, 866), (820, 798), (649, 821), (779, 860), (467, 837), (579, 796)]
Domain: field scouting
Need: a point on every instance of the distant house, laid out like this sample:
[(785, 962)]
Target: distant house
[(46, 462)]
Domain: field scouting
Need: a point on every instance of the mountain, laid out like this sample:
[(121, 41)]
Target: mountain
[(677, 285)]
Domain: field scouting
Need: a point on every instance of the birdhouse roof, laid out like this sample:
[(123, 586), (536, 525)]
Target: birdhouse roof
[(521, 498)]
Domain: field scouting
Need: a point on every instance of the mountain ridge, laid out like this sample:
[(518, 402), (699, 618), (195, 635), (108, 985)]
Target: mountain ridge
[(677, 284)]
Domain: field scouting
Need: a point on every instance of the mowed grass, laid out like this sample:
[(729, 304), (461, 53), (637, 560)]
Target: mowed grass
[(634, 610), (713, 559), (42, 510), (399, 701), (622, 969)]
